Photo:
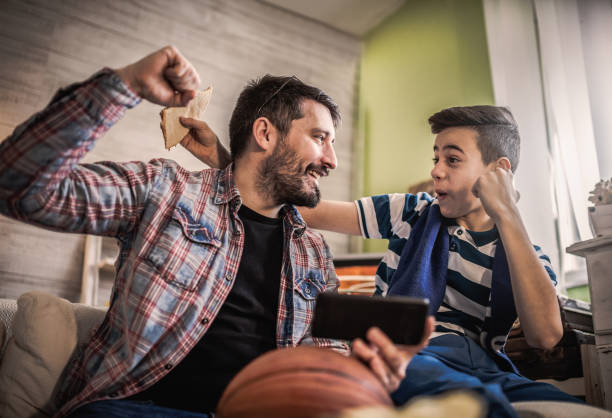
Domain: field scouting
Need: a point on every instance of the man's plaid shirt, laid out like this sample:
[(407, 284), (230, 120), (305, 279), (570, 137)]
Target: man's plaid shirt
[(180, 237)]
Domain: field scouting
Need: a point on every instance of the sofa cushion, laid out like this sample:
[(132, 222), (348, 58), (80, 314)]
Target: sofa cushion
[(542, 409), (87, 318), (44, 337), (8, 307)]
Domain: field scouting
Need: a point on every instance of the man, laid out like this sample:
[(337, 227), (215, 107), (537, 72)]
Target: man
[(468, 251), (216, 267)]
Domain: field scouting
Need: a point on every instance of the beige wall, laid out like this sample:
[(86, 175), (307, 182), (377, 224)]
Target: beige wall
[(45, 45)]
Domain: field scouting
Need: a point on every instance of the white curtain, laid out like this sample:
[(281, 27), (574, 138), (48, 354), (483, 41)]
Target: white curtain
[(517, 83), (570, 126), (566, 99), (596, 28), (548, 64)]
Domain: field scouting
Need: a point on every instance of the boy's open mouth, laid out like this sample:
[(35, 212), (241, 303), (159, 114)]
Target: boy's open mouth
[(441, 195)]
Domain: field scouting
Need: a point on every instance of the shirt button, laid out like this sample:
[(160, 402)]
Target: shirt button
[(453, 247), (307, 290), (459, 232), (228, 277), (113, 395), (204, 321), (168, 366)]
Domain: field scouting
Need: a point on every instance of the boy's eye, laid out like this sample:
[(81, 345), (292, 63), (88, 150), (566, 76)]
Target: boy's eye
[(453, 160), (435, 160)]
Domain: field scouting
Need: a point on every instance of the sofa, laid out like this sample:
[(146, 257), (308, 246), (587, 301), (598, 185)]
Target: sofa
[(38, 335), (40, 332)]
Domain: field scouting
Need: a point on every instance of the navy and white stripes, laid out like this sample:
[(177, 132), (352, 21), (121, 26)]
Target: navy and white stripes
[(467, 298)]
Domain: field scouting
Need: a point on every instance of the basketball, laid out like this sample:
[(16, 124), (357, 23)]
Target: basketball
[(301, 382)]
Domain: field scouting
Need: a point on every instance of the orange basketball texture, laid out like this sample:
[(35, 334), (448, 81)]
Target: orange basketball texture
[(301, 382)]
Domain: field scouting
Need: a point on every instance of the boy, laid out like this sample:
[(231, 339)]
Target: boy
[(466, 250)]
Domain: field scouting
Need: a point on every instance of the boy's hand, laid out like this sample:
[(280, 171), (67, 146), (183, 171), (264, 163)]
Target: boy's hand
[(387, 360), (204, 144), (164, 77), (497, 193)]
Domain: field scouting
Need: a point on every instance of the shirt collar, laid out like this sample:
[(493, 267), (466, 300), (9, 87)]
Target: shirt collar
[(484, 237), (226, 187), (292, 217)]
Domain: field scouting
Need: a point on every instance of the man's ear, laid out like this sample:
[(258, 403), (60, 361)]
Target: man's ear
[(504, 163), (264, 134)]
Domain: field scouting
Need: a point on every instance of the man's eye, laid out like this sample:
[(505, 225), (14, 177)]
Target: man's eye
[(435, 160), (453, 160)]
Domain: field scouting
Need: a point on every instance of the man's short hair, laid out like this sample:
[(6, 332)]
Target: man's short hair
[(497, 131), (277, 98)]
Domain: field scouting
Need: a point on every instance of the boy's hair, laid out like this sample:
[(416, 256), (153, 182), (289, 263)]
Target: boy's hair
[(497, 131), (277, 98)]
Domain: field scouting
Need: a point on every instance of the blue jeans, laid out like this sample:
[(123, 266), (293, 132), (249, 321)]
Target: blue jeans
[(119, 408), (452, 362)]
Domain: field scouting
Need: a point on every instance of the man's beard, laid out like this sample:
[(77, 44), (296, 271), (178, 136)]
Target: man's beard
[(281, 177)]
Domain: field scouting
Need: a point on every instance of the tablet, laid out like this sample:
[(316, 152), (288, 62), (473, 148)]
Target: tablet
[(346, 317)]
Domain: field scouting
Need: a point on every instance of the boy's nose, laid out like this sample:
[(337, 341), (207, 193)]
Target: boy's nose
[(436, 172)]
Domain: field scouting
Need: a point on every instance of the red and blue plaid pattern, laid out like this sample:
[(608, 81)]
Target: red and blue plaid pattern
[(180, 237)]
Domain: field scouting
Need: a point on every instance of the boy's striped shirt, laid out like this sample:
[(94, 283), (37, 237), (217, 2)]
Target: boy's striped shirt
[(467, 299)]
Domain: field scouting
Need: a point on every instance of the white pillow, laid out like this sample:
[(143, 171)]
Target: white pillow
[(44, 338)]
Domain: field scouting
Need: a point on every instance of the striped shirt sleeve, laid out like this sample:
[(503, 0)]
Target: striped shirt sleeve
[(545, 260), (390, 216)]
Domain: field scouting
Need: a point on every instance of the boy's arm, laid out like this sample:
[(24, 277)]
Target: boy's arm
[(534, 293), (328, 215), (204, 144), (383, 216), (331, 215)]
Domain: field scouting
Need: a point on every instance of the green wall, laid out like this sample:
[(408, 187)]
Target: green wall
[(427, 56)]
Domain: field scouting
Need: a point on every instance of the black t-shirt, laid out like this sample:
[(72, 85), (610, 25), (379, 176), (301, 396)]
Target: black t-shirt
[(244, 328)]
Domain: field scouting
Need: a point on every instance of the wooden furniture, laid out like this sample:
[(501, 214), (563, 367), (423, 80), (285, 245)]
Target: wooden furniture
[(598, 255), (98, 275), (357, 272), (573, 357)]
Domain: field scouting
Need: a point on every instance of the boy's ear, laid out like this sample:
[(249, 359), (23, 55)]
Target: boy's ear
[(504, 163), (264, 134)]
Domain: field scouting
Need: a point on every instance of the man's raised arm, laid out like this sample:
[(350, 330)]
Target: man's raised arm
[(41, 181)]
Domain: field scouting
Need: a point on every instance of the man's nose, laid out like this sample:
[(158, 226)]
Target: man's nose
[(329, 157)]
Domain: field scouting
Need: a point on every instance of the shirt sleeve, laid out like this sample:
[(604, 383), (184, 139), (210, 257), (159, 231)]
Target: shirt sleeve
[(41, 181), (390, 216), (546, 263)]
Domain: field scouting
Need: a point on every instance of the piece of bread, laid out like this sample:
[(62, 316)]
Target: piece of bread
[(171, 127)]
